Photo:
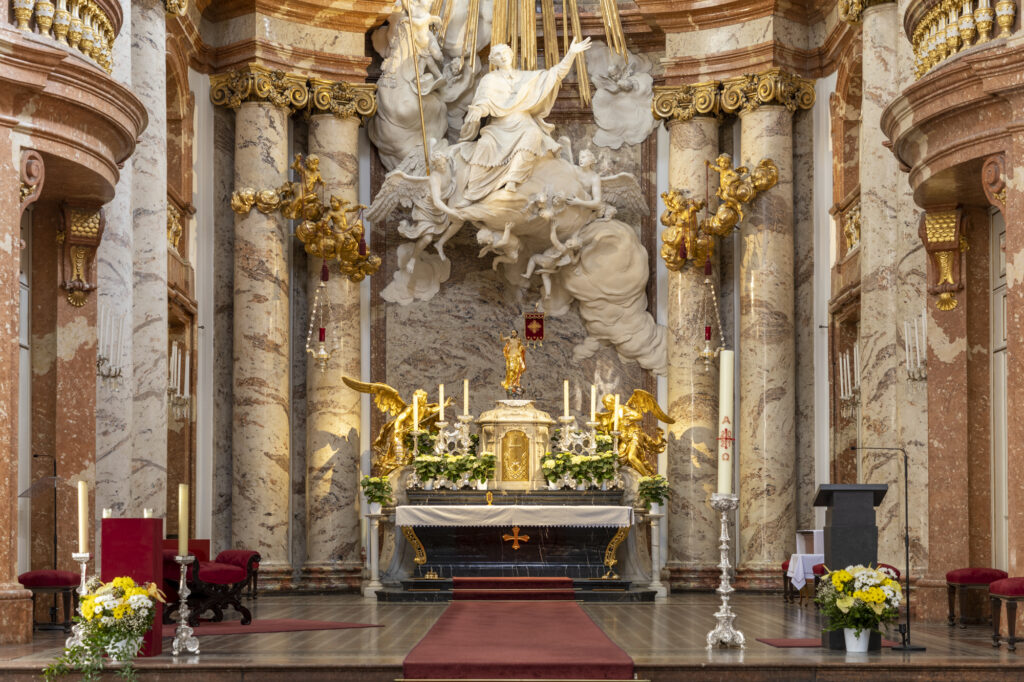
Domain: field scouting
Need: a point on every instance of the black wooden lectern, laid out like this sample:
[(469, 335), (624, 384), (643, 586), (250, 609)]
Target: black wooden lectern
[(851, 536)]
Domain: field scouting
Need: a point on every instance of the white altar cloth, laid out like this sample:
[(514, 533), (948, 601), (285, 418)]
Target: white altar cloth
[(801, 568), (513, 515)]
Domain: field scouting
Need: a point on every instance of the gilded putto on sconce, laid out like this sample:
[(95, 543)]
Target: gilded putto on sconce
[(942, 234), (325, 230), (685, 239)]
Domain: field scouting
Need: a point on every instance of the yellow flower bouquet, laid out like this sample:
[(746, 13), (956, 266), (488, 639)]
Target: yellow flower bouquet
[(859, 598), (111, 621)]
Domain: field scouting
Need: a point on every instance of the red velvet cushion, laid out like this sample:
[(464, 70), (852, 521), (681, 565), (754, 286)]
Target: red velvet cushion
[(220, 574), (818, 569), (785, 565), (49, 578), (1007, 587), (891, 568), (975, 576), (237, 557)]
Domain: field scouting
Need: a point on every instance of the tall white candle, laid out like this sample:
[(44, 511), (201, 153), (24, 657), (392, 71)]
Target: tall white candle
[(924, 332), (174, 366), (615, 414), (856, 364), (188, 359), (846, 372), (726, 432), (565, 397), (182, 519), (906, 341), (842, 375), (120, 340), (415, 415), (916, 343), (593, 403), (465, 397), (440, 401), (83, 517)]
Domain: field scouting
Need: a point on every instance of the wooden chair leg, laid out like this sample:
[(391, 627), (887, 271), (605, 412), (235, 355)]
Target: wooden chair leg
[(963, 606), (1011, 623), (951, 596), (66, 594), (997, 612)]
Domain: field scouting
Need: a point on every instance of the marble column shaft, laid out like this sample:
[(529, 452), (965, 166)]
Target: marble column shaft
[(881, 311), (114, 293), (1014, 214), (332, 409), (692, 389), (260, 420), (149, 317), (15, 600), (766, 426)]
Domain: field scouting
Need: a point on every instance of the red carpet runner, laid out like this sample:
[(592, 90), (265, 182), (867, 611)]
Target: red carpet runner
[(504, 589), (535, 639)]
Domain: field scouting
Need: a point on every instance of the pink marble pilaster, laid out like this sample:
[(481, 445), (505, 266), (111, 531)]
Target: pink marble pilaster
[(332, 410), (692, 388), (261, 428), (766, 427)]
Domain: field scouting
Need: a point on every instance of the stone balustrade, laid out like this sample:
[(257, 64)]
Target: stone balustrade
[(940, 29), (84, 25)]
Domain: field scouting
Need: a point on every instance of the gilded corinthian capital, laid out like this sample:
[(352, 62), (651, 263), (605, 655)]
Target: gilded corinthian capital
[(683, 102), (772, 87), (852, 11), (344, 100), (255, 83), (176, 7)]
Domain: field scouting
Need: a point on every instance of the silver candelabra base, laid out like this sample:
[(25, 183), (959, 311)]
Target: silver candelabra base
[(76, 631), (724, 634), (184, 635)]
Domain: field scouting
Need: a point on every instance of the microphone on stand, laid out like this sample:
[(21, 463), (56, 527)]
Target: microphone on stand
[(904, 628)]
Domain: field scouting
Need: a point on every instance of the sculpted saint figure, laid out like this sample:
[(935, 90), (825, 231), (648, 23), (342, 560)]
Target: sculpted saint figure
[(515, 363), (516, 102)]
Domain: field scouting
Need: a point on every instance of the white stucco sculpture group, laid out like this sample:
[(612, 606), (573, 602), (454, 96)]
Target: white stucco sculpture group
[(541, 214)]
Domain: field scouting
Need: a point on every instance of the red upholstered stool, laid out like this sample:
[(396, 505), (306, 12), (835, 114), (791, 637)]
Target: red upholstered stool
[(1009, 591), (963, 579), (818, 570), (52, 581), (892, 568), (246, 559)]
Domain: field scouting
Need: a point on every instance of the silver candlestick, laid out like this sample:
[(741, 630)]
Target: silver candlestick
[(724, 634), (184, 635), (76, 631)]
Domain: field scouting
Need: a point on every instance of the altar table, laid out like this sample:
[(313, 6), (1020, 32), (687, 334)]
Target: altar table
[(531, 540)]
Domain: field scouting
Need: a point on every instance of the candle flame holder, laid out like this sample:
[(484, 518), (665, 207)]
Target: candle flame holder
[(184, 635), (724, 634)]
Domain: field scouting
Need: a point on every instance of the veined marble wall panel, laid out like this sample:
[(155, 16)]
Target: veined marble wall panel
[(284, 33), (223, 304), (743, 35), (803, 274), (149, 303), (455, 335)]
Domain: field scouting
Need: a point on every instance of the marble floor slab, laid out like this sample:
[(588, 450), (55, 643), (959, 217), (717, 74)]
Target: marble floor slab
[(665, 639)]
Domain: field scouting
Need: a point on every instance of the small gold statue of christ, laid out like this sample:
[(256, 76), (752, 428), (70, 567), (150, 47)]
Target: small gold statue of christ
[(515, 364)]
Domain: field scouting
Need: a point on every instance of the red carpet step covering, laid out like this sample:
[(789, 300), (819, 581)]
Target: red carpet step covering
[(267, 625), (516, 640), (807, 643), (505, 595)]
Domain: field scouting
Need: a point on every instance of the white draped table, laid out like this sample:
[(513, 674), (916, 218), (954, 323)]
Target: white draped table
[(409, 517)]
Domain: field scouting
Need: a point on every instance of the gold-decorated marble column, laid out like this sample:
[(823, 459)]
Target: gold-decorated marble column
[(691, 114), (261, 409), (332, 410), (766, 423)]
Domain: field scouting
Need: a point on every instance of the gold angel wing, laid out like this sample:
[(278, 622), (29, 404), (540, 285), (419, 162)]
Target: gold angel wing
[(642, 402), (385, 398)]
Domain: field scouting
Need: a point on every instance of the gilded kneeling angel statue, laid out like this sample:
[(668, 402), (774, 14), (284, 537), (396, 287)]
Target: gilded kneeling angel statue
[(636, 449), (389, 451)]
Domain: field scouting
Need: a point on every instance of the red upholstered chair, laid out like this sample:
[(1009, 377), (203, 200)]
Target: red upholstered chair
[(246, 559), (963, 579), (1007, 591), (51, 581), (213, 585)]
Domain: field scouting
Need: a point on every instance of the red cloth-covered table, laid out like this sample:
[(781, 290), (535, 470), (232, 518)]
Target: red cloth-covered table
[(132, 547)]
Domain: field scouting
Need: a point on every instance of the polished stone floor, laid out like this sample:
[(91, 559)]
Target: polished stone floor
[(666, 640)]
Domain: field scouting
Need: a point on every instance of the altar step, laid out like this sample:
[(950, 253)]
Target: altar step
[(443, 589)]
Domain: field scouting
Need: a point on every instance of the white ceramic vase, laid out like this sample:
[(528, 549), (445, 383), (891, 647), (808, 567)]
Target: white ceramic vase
[(373, 508), (856, 644)]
